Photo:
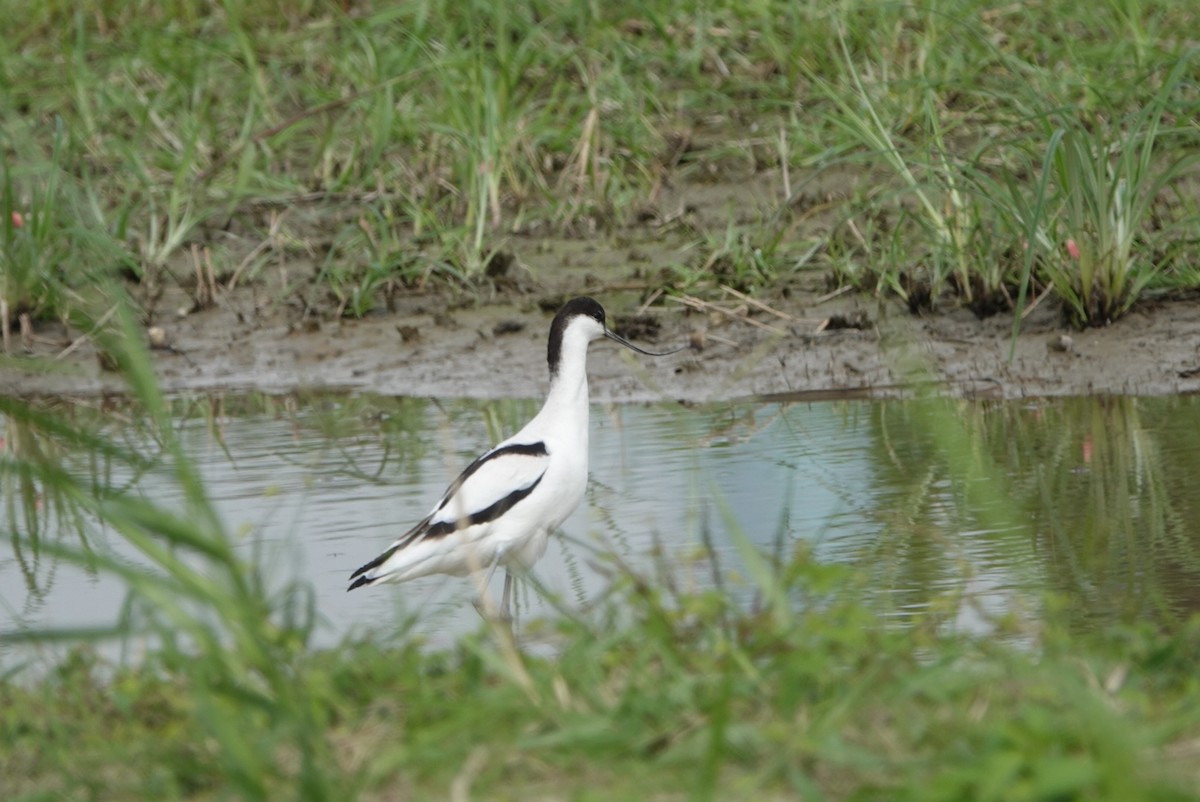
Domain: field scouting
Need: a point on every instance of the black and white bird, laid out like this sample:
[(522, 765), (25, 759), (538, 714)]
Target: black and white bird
[(503, 508)]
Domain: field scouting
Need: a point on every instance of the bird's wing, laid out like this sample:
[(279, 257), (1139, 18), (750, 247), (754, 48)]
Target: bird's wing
[(488, 487)]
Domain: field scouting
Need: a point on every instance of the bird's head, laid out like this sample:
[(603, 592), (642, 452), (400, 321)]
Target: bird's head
[(584, 317)]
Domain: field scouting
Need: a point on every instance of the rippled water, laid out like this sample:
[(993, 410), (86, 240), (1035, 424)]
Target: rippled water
[(972, 511)]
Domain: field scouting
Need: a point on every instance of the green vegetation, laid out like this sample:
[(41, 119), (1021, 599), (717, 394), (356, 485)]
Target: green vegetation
[(344, 153), (340, 154), (798, 679), (689, 697)]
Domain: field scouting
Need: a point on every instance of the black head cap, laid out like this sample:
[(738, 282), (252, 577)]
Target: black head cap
[(571, 310)]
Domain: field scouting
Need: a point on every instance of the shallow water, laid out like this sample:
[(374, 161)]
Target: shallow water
[(977, 513)]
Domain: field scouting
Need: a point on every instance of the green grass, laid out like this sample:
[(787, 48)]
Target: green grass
[(384, 148), (785, 682), (1110, 190), (389, 147), (687, 696)]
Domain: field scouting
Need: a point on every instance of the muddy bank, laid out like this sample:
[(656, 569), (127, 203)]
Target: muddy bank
[(283, 331), (810, 346)]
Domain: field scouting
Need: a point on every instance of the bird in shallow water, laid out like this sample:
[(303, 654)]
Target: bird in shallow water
[(502, 509)]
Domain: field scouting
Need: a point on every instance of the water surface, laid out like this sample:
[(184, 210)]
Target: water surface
[(974, 512)]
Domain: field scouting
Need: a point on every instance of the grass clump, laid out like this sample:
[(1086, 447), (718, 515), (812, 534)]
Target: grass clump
[(961, 152), (1110, 194)]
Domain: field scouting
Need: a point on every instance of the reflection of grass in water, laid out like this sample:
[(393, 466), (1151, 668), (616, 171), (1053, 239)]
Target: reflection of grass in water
[(1126, 548), (663, 692), (43, 441), (1085, 482)]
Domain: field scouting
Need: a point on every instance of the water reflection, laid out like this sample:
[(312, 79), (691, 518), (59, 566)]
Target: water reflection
[(37, 515), (1090, 498), (962, 513), (1122, 542)]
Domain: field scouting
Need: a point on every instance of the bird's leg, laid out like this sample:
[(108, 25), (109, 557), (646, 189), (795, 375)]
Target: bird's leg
[(481, 602), (505, 606)]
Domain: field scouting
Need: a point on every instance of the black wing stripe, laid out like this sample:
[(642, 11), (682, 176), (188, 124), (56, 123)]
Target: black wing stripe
[(488, 513), (537, 449), (425, 530)]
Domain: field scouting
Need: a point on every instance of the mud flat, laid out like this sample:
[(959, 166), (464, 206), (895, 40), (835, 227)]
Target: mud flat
[(809, 346)]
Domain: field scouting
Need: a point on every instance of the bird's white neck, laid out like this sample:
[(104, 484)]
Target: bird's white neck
[(566, 407)]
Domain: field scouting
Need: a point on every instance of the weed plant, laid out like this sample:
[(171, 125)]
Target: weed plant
[(1108, 191)]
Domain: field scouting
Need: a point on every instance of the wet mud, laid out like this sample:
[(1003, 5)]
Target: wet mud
[(807, 346), (802, 341)]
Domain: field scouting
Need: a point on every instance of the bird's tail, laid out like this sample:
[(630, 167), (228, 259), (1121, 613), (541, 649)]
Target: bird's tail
[(360, 576)]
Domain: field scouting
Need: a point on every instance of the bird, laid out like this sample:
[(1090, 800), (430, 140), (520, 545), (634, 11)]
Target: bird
[(502, 509)]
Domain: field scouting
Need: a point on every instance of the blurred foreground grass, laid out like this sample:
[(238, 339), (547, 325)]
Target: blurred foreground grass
[(692, 700), (800, 689)]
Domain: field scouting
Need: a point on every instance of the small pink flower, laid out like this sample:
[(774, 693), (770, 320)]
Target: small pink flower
[(1072, 249), (17, 220)]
